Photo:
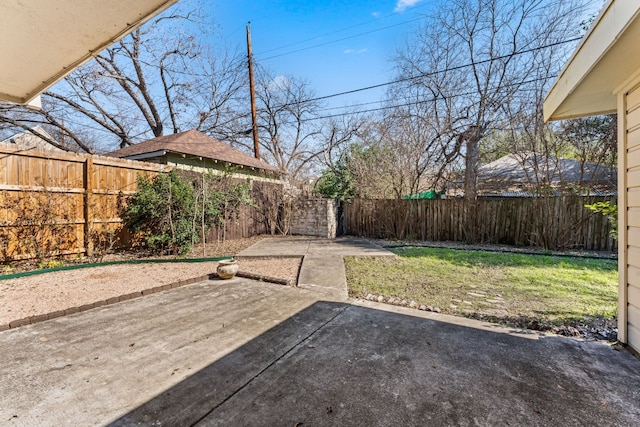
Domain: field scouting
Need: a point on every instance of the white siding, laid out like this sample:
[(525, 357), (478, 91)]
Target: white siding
[(629, 204)]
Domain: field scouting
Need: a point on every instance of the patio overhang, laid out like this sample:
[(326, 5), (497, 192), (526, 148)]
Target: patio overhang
[(601, 64), (41, 41)]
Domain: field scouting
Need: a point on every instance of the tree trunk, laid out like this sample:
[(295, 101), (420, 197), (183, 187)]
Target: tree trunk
[(472, 159)]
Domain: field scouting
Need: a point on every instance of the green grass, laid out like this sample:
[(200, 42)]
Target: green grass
[(511, 288)]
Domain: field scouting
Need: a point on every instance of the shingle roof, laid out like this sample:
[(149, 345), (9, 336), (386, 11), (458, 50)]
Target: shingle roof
[(521, 168), (194, 143)]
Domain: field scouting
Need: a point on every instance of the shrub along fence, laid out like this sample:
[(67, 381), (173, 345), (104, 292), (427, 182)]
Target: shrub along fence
[(546, 222), (70, 204)]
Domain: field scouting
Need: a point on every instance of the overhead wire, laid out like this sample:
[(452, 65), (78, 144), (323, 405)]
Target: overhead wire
[(342, 30), (423, 101), (440, 71), (339, 40)]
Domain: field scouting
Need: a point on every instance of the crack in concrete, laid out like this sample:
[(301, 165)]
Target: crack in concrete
[(294, 347)]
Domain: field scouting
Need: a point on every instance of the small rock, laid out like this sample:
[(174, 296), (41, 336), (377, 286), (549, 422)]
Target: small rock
[(380, 298), (413, 304), (370, 297), (422, 307), (429, 308), (404, 302), (574, 332), (436, 309), (391, 300)]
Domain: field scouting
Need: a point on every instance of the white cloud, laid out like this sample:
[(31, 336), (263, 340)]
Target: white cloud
[(354, 51), (375, 14), (402, 5)]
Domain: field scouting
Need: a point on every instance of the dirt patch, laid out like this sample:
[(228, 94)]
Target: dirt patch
[(60, 290)]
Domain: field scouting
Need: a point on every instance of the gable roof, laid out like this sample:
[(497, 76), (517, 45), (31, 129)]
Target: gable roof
[(193, 143)]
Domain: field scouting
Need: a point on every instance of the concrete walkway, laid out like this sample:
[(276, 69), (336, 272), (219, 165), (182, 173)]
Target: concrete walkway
[(322, 267), (241, 352)]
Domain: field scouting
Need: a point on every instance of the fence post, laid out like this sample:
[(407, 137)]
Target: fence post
[(88, 191)]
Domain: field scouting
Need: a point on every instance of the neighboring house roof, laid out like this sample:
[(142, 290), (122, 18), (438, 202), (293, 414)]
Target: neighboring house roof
[(42, 41), (27, 140), (514, 173), (600, 65), (192, 143)]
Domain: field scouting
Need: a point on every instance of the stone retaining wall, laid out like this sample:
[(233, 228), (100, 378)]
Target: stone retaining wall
[(315, 217)]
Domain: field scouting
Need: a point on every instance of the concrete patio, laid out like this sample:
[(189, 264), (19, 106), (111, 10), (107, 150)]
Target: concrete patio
[(241, 352)]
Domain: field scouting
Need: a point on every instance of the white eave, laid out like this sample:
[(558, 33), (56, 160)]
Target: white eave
[(41, 41), (604, 60)]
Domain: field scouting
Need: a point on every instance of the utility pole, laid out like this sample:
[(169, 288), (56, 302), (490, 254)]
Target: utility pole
[(254, 124)]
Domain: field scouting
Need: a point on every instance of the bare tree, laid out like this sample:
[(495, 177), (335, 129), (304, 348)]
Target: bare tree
[(158, 79), (471, 59), (288, 132)]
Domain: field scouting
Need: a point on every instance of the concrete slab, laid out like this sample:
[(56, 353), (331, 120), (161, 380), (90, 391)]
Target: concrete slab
[(300, 246), (324, 273), (240, 352), (93, 367), (374, 366), (248, 353), (322, 268)]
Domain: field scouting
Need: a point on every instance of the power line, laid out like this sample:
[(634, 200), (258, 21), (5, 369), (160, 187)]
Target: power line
[(433, 73), (341, 39), (408, 104), (342, 30)]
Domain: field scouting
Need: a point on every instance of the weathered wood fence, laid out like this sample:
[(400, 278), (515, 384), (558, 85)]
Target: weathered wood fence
[(61, 204), (546, 222)]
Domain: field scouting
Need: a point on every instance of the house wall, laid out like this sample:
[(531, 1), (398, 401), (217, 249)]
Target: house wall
[(29, 141), (211, 166), (629, 213)]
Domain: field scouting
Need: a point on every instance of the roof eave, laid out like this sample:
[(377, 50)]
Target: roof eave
[(160, 153), (42, 51), (600, 65)]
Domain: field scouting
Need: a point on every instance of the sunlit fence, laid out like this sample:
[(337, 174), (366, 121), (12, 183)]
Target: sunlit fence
[(62, 204)]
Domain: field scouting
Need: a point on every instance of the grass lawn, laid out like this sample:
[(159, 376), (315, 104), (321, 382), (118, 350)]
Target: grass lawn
[(513, 289)]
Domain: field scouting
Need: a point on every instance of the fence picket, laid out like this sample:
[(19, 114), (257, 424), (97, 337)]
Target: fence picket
[(548, 222)]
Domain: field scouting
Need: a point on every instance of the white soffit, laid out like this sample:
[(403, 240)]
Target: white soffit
[(607, 56), (41, 41)]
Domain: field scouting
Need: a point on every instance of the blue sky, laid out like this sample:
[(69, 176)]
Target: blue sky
[(335, 45)]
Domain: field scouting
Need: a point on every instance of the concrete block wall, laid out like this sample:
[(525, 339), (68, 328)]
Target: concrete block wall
[(315, 217)]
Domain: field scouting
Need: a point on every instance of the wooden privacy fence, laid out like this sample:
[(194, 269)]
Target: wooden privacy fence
[(61, 204), (546, 222)]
